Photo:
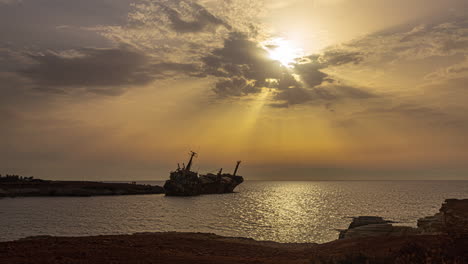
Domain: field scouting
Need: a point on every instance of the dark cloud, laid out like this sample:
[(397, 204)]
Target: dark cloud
[(326, 94), (102, 71), (311, 73), (310, 68), (245, 67), (196, 18), (179, 16), (316, 83), (345, 91), (242, 57), (56, 24), (292, 96), (235, 86), (340, 57), (168, 69), (242, 63), (287, 81), (97, 70)]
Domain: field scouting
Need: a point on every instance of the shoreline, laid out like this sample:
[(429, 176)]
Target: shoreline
[(439, 238), (41, 188)]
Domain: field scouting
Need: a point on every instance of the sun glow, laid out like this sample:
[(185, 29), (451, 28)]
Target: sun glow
[(283, 51)]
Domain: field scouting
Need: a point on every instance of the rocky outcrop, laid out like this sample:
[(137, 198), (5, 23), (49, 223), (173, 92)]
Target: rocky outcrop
[(370, 226), (432, 224), (367, 220), (451, 220), (188, 183), (71, 188), (456, 217), (172, 247)]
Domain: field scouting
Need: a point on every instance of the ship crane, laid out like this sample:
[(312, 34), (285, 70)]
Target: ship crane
[(189, 165), (237, 167)]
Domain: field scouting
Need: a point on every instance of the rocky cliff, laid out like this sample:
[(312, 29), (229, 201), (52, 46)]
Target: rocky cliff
[(452, 219)]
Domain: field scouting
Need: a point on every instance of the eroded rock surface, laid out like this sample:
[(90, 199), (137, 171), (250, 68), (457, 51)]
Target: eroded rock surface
[(451, 220), (370, 226)]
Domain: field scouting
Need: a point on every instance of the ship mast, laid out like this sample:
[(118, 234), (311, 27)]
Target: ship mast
[(237, 167), (189, 165)]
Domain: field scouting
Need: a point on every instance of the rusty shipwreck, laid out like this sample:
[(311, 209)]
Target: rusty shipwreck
[(185, 182)]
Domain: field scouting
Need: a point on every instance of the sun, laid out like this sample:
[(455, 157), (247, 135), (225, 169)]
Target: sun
[(283, 51)]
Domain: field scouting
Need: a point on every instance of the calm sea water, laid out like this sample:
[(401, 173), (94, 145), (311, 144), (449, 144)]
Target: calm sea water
[(277, 211)]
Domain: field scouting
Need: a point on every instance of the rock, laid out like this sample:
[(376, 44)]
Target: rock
[(367, 220), (188, 183), (452, 219), (456, 217), (371, 226), (432, 224)]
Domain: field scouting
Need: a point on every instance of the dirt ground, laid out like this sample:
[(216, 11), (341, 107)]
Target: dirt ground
[(198, 248)]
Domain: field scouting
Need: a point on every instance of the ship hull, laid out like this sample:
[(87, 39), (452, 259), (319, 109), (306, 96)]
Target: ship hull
[(186, 183)]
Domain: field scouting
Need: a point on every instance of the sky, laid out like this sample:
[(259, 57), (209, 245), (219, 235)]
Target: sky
[(296, 89)]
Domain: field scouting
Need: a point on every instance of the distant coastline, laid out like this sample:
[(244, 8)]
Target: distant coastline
[(17, 186)]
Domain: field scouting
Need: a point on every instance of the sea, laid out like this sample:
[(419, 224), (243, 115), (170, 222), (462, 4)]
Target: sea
[(281, 211)]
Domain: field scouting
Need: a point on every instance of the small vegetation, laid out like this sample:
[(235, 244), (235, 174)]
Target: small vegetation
[(17, 178)]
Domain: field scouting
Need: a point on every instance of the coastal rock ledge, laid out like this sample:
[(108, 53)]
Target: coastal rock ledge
[(451, 220), (74, 188)]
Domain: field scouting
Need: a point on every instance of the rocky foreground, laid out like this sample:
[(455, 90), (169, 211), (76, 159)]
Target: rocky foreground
[(451, 220), (209, 248), (73, 188), (445, 242)]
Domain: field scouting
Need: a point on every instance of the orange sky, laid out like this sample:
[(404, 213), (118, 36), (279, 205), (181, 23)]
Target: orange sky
[(298, 90)]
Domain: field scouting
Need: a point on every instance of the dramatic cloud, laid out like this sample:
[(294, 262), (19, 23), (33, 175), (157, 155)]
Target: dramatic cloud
[(251, 68), (167, 39), (28, 24), (241, 56), (416, 41), (97, 70), (130, 71), (188, 16), (235, 86), (244, 62), (292, 96)]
